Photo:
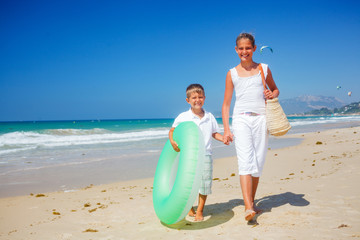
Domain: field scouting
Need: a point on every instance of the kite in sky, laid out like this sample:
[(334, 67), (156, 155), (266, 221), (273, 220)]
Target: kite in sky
[(263, 47)]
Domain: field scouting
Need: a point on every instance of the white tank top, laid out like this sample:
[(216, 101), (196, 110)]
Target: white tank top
[(249, 92)]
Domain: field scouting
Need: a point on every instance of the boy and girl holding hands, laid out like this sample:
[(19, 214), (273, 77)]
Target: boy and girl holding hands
[(248, 124)]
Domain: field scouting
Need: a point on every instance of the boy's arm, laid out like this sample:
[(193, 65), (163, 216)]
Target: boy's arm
[(220, 137), (173, 143)]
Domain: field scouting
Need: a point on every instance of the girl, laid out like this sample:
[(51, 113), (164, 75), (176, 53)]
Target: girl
[(248, 121)]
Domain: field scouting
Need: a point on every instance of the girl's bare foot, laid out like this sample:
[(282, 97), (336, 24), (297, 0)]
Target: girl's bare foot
[(249, 214), (192, 212)]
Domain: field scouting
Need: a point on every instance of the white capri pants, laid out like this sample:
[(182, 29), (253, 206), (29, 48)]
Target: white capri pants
[(251, 143)]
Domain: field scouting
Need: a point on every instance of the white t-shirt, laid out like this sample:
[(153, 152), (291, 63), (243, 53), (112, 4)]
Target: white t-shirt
[(249, 92), (207, 124)]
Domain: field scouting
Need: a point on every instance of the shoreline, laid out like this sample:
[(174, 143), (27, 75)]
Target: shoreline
[(73, 177), (307, 191), (47, 168), (95, 170)]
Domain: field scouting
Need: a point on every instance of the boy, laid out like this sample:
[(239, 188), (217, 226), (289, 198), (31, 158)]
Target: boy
[(195, 96)]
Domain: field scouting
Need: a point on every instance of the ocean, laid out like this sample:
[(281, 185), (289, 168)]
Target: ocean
[(65, 155)]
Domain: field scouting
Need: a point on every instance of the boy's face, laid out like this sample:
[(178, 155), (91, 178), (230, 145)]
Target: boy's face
[(196, 100)]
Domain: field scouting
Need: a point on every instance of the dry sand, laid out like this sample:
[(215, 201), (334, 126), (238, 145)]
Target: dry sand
[(308, 191)]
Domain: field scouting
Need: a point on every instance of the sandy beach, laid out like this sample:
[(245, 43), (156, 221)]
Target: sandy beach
[(307, 191)]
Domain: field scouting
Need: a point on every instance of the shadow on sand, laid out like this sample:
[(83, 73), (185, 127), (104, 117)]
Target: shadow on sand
[(266, 204), (219, 213)]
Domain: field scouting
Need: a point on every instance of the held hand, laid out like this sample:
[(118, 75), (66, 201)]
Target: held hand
[(175, 146), (227, 138), (268, 94)]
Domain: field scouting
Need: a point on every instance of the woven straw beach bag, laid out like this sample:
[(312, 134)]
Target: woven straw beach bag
[(276, 120)]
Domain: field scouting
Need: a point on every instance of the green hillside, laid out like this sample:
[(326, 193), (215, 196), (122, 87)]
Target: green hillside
[(352, 108)]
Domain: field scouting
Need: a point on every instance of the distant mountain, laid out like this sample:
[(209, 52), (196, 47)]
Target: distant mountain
[(306, 103), (352, 108)]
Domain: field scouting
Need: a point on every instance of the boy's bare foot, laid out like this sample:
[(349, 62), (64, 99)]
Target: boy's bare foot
[(192, 212), (199, 217), (249, 214)]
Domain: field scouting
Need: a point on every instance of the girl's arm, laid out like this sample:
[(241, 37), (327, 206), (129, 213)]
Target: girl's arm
[(273, 91), (219, 137), (229, 88), (173, 143)]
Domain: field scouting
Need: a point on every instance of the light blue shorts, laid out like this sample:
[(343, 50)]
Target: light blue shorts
[(206, 180)]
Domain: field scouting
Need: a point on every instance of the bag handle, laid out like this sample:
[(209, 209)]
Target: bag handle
[(262, 76)]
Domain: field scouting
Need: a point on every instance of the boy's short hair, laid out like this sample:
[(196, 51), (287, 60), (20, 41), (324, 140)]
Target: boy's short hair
[(194, 88)]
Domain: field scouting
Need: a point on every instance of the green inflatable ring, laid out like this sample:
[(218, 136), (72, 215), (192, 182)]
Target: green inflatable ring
[(177, 179)]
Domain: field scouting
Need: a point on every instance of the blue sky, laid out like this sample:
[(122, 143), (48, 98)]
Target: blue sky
[(65, 60)]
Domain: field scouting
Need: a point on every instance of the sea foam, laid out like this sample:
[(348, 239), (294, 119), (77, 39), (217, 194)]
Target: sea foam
[(21, 141), (302, 121)]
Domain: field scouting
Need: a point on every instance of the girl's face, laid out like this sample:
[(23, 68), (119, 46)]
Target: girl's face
[(245, 49)]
